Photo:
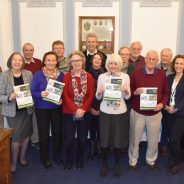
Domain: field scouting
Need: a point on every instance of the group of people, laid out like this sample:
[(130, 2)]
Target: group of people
[(102, 96)]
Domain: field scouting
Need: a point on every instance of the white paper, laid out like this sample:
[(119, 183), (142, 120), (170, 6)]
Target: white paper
[(24, 97)]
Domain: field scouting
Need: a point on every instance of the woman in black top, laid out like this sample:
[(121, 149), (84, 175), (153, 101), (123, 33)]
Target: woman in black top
[(96, 69)]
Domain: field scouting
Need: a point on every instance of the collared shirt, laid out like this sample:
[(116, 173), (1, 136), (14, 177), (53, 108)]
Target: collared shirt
[(144, 71), (89, 53), (30, 61)]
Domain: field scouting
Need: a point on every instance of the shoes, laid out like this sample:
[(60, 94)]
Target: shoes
[(153, 167), (79, 165), (24, 164), (117, 170), (47, 164), (175, 169), (164, 151), (59, 161), (35, 145), (132, 168), (104, 170), (67, 167)]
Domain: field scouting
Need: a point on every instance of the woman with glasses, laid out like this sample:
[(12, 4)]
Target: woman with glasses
[(78, 96)]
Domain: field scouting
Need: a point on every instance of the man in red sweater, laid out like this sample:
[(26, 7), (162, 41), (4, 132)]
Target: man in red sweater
[(32, 64), (154, 79)]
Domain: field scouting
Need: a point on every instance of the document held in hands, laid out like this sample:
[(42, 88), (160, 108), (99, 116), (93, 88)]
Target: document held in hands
[(55, 89), (24, 97), (148, 99), (113, 90)]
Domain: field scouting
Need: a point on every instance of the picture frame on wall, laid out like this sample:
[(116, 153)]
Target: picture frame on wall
[(103, 27)]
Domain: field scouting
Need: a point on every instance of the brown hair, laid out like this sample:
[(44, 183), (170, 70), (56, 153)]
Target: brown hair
[(50, 53), (57, 42), (9, 62), (101, 56), (174, 61)]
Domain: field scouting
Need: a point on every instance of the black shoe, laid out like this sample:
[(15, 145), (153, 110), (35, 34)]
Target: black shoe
[(67, 167), (59, 161), (175, 169), (104, 170), (47, 164), (153, 167), (117, 170), (79, 165), (132, 168)]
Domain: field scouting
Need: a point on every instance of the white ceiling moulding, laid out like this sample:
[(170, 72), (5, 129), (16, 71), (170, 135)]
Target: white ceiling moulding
[(97, 3), (41, 3), (155, 3)]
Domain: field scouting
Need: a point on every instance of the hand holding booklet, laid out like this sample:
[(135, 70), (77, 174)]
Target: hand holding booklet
[(148, 99), (55, 89), (24, 97), (113, 90)]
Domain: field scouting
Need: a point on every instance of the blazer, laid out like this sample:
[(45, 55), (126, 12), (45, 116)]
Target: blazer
[(6, 88), (179, 96)]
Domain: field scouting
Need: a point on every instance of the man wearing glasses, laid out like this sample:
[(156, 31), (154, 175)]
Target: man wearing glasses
[(148, 78)]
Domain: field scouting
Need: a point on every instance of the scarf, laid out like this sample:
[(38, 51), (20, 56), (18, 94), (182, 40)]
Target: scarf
[(51, 74), (78, 97)]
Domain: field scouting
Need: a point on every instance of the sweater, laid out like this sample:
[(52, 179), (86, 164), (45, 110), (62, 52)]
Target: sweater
[(33, 67), (138, 63), (69, 106), (140, 79), (39, 84), (104, 106)]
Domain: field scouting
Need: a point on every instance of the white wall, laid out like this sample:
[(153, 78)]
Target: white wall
[(41, 26), (155, 27), (6, 34)]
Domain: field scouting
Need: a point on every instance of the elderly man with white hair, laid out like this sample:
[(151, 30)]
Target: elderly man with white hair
[(148, 78)]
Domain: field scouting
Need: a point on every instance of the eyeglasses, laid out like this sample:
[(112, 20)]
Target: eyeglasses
[(75, 61), (151, 59)]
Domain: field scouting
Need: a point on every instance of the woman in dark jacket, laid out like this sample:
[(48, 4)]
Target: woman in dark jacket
[(97, 68), (175, 113)]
